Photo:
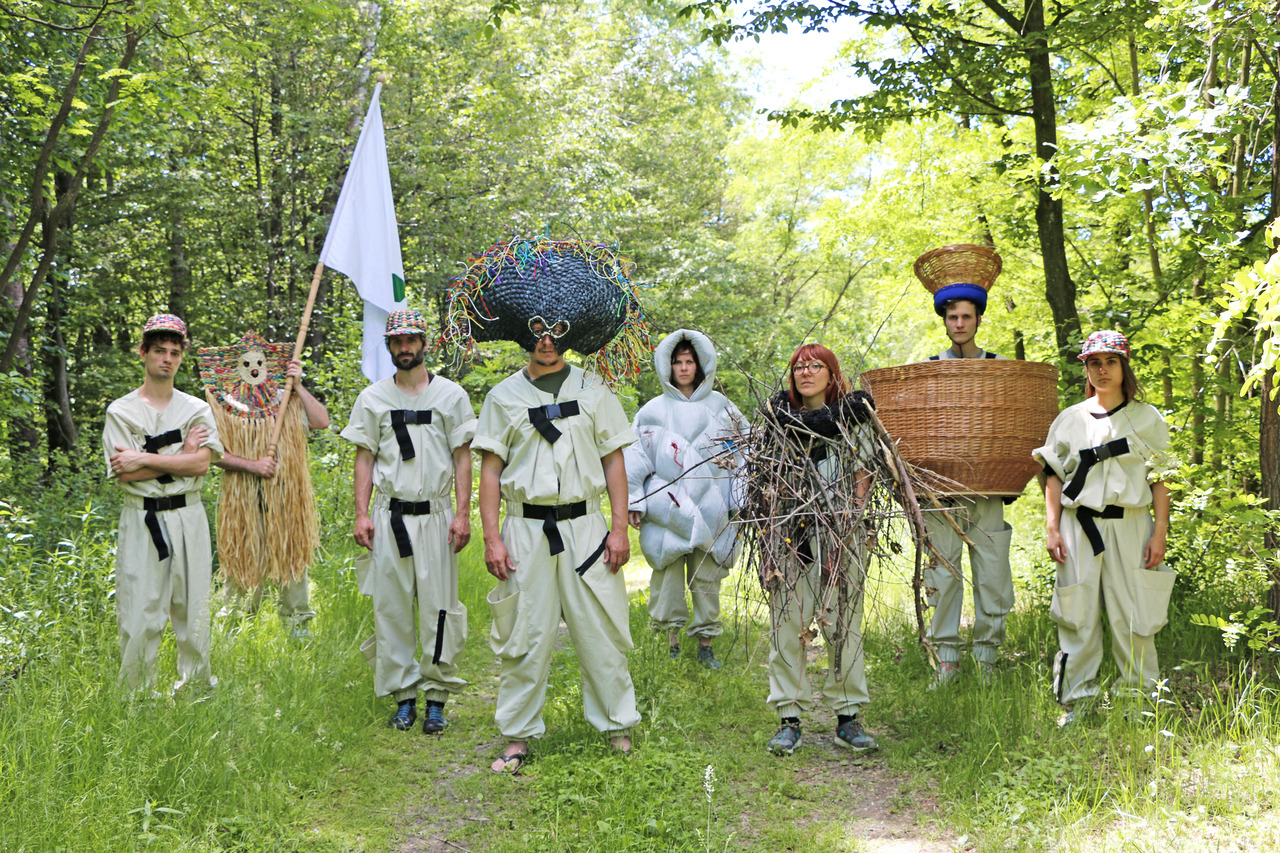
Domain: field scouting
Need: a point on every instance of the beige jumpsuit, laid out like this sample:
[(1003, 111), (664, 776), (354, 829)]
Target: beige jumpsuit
[(574, 584), (151, 591), (1136, 599), (430, 572)]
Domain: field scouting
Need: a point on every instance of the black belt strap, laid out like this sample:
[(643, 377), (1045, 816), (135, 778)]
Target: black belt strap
[(1085, 516), (399, 509), (435, 657), (401, 418), (542, 416), (595, 555), (1091, 456), (153, 444), (550, 515), (154, 505)]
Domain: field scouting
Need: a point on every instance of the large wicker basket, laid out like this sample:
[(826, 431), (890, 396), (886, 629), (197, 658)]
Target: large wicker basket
[(971, 422)]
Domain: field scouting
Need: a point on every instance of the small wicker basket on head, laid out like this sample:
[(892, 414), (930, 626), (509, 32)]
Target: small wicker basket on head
[(967, 263), (971, 422)]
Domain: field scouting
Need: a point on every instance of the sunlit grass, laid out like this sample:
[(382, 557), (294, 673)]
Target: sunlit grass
[(291, 752)]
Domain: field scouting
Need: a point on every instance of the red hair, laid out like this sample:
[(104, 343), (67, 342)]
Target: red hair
[(837, 388)]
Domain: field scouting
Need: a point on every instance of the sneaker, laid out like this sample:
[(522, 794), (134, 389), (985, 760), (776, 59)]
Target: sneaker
[(852, 736), (434, 722), (786, 740), (947, 673), (405, 716), (707, 658), (675, 651), (300, 633), (986, 672), (1067, 719)]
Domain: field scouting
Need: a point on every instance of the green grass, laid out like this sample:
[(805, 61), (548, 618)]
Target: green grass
[(291, 752)]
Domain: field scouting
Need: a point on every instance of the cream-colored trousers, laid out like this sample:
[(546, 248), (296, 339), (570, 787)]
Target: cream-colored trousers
[(151, 593), (1136, 601), (839, 618), (982, 520), (527, 609), (668, 610), (429, 575)]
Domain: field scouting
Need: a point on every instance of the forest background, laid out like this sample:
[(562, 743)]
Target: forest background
[(183, 156)]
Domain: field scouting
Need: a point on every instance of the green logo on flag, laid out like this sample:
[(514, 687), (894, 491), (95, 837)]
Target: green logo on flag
[(397, 287)]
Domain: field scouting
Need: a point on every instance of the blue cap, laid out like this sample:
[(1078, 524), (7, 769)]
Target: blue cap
[(975, 294)]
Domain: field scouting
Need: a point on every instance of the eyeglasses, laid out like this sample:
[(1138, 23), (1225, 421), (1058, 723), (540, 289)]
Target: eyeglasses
[(811, 367)]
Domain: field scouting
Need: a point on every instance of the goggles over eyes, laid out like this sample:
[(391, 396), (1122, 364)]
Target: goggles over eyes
[(540, 327)]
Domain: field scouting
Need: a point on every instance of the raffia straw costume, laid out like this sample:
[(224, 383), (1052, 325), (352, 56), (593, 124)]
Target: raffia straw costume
[(966, 272), (551, 443), (267, 527), (163, 558)]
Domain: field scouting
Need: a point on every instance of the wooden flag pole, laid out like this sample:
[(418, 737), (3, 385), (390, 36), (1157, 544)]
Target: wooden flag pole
[(297, 356)]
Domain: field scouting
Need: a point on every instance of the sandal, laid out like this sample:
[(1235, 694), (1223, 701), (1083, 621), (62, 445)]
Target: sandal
[(507, 770)]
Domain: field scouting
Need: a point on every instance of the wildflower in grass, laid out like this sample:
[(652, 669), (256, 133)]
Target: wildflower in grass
[(709, 782)]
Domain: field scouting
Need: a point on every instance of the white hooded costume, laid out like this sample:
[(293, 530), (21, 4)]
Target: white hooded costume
[(683, 492)]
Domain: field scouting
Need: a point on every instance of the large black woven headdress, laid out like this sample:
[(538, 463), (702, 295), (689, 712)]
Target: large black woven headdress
[(581, 292)]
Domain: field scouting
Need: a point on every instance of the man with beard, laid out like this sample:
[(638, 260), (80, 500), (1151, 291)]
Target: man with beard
[(413, 433)]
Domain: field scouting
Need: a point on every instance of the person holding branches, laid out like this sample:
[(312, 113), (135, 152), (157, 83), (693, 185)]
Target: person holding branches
[(812, 438), (1101, 489)]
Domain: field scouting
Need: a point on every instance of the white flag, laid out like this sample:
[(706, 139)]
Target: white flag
[(363, 242)]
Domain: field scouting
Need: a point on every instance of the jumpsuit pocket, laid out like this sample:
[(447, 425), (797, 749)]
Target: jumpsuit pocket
[(996, 578), (364, 563), (369, 649), (509, 634), (451, 635), (1152, 590), (1073, 605)]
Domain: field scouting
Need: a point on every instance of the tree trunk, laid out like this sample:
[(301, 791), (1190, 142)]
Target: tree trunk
[(1060, 289), (1269, 463), (26, 441), (1197, 385), (64, 202), (60, 427)]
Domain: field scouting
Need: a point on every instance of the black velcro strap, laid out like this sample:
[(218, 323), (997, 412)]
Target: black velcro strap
[(153, 506), (1085, 516), (595, 555), (990, 355), (400, 418), (542, 416), (1089, 457), (934, 358), (399, 509), (153, 444), (435, 656), (550, 515)]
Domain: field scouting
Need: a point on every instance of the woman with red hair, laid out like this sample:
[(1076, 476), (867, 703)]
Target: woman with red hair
[(814, 436)]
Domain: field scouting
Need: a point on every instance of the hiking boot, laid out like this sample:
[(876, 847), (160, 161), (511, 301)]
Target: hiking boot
[(786, 740), (434, 722), (707, 658), (405, 716), (851, 735), (947, 673), (675, 651)]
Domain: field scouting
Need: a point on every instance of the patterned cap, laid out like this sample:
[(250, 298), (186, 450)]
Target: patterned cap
[(1106, 341), (407, 321), (166, 323)]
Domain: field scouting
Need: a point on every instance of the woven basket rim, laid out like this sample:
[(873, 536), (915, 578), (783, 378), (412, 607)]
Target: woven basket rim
[(959, 263)]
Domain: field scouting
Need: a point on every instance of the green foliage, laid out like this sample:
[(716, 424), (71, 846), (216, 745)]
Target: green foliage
[(1256, 627)]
